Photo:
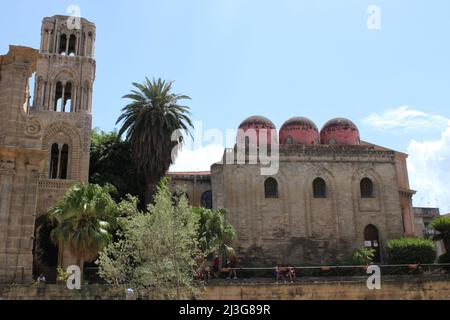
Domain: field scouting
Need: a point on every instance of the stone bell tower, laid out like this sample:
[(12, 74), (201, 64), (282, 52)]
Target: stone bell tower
[(44, 141), (65, 74)]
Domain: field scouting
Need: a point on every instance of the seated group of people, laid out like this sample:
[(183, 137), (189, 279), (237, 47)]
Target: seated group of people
[(213, 272)]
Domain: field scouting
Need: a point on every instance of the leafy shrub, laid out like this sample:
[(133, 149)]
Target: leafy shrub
[(445, 258), (442, 226), (363, 256), (411, 251)]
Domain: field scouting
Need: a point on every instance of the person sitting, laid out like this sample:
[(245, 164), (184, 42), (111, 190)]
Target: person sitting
[(291, 274), (41, 278)]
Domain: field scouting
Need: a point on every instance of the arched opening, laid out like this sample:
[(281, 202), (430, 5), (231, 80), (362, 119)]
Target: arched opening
[(67, 97), (271, 188), (319, 188), (54, 157), (366, 187), (58, 97), (372, 241), (72, 45), (62, 44), (45, 253), (207, 200), (64, 162)]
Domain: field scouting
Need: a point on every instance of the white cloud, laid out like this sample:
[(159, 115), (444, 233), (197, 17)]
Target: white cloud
[(429, 171), (405, 118), (199, 159)]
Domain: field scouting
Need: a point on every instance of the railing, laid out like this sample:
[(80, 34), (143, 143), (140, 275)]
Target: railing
[(266, 274)]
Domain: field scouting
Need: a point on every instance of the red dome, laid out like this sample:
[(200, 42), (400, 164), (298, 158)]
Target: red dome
[(340, 131), (255, 123), (299, 130)]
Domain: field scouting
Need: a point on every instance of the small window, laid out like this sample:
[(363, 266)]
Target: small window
[(366, 188), (289, 140), (332, 142), (319, 188), (271, 188)]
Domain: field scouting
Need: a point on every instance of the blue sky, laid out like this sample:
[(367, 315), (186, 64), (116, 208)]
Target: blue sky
[(279, 59)]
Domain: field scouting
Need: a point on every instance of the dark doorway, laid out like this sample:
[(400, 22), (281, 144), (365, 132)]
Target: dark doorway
[(372, 240)]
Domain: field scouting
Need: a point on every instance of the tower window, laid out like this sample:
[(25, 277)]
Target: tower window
[(366, 188), (64, 162), (271, 188), (59, 161), (58, 97), (67, 97), (54, 156), (319, 188), (72, 45), (62, 44)]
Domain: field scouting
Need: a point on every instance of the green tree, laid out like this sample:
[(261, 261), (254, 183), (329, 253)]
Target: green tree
[(442, 226), (157, 250), (149, 121), (82, 220), (111, 162), (215, 233)]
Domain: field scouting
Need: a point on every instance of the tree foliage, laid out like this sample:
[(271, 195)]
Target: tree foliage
[(111, 162), (442, 226), (215, 233), (149, 122), (83, 219), (157, 249), (411, 251)]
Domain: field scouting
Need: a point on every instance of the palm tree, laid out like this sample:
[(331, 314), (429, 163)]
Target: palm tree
[(215, 233), (82, 219), (149, 121)]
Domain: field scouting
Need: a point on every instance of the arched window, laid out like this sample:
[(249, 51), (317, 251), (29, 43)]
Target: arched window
[(271, 188), (59, 161), (58, 97), (331, 141), (67, 107), (366, 188), (289, 140), (207, 200), (54, 157), (72, 45), (64, 162), (320, 188), (62, 44)]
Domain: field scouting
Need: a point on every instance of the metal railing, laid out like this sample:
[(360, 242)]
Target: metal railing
[(256, 274)]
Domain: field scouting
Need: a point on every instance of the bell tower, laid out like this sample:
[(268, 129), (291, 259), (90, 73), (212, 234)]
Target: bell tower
[(66, 68), (65, 74)]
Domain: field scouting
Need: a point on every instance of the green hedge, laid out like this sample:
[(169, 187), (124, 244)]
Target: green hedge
[(411, 251)]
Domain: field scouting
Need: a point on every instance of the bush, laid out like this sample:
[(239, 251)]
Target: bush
[(363, 256), (445, 258), (411, 251)]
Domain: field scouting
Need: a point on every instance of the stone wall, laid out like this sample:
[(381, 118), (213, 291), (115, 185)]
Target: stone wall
[(418, 289), (298, 228)]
